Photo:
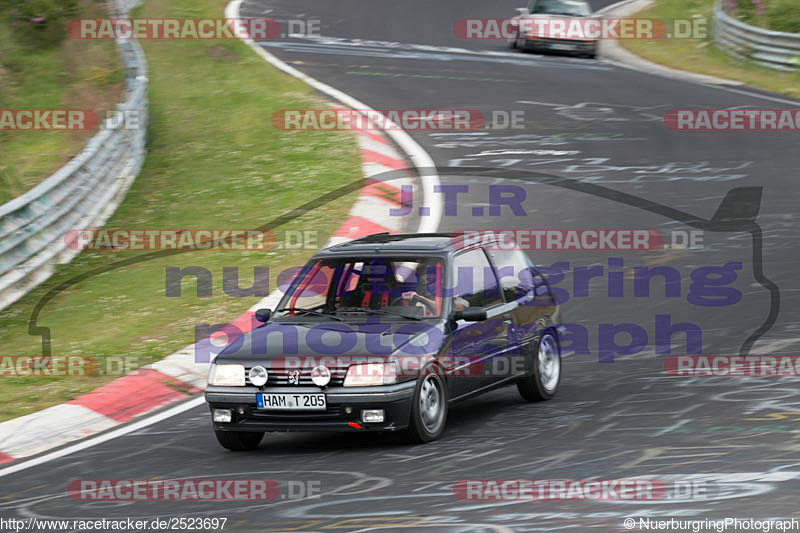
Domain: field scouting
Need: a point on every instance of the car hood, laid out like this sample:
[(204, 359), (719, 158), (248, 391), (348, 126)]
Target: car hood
[(551, 16), (273, 341)]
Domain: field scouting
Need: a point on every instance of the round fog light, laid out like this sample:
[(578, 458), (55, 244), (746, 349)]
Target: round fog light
[(321, 376), (258, 376)]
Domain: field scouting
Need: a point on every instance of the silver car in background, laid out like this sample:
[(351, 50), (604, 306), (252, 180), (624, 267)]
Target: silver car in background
[(527, 39)]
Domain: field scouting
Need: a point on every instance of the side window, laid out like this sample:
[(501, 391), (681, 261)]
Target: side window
[(475, 282), (530, 5), (514, 271), (315, 290)]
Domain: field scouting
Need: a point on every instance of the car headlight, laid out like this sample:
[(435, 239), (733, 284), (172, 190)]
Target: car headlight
[(226, 375), (370, 374)]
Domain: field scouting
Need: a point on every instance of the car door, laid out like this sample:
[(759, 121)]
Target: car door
[(477, 347), (532, 305)]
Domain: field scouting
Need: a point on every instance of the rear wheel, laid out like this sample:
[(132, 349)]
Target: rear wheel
[(239, 441), (543, 383), (429, 408)]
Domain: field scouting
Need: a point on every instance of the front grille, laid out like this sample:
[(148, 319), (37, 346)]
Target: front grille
[(279, 377), (333, 411)]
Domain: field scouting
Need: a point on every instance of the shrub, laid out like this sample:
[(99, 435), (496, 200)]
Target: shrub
[(39, 22), (779, 15), (784, 15)]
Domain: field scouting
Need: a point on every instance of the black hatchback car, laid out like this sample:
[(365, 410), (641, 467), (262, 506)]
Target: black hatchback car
[(384, 333)]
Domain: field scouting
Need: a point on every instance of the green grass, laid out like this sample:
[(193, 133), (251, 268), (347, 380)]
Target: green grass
[(778, 15), (214, 161), (702, 56), (72, 75)]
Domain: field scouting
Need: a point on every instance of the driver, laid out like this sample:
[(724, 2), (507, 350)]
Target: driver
[(423, 293)]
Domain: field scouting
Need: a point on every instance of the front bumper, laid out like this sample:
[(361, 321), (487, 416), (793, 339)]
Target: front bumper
[(560, 46), (395, 400)]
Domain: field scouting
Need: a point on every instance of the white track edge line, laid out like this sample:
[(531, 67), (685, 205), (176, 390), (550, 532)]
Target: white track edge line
[(419, 158), (677, 74), (94, 441)]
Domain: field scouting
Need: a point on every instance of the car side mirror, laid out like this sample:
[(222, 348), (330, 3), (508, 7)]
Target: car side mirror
[(522, 10), (262, 315), (471, 314)]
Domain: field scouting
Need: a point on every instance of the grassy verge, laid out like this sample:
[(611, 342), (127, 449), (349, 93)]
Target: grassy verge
[(778, 15), (73, 74), (214, 161), (702, 56)]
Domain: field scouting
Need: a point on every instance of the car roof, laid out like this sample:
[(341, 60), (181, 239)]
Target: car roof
[(403, 242)]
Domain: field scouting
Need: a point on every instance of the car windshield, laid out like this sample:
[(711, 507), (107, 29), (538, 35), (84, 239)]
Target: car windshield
[(382, 286), (561, 7)]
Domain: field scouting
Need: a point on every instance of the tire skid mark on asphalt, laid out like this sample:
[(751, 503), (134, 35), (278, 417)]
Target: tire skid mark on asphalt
[(362, 483), (315, 49)]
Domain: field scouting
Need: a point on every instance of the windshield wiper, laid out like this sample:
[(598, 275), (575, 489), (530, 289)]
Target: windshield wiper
[(314, 312), (379, 312)]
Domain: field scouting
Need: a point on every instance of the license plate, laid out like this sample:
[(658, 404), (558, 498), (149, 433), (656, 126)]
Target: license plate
[(562, 46), (291, 402)]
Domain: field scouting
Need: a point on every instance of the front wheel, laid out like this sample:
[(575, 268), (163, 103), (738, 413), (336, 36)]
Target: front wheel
[(239, 441), (429, 408), (543, 383)]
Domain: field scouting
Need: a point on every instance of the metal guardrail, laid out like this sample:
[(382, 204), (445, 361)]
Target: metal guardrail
[(772, 49), (34, 227)]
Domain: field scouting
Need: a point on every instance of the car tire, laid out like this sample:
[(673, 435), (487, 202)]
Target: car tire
[(239, 441), (428, 408), (543, 382), (512, 43)]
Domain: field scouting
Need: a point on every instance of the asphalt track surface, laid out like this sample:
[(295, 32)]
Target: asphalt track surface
[(588, 122)]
